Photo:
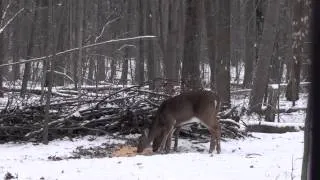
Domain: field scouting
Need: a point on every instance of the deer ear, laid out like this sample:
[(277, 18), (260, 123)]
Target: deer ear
[(146, 132)]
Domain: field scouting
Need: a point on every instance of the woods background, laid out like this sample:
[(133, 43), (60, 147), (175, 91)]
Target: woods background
[(63, 54)]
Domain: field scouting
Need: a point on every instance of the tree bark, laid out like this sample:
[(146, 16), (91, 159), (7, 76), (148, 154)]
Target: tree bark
[(170, 54), (264, 55), (292, 91), (101, 69), (50, 50), (235, 36), (1, 51), (139, 73), (59, 65), (30, 25), (79, 62), (211, 38), (250, 42), (192, 42), (150, 46), (308, 139), (223, 52), (16, 46)]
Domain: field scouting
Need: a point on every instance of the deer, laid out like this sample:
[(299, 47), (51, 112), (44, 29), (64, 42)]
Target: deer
[(188, 107)]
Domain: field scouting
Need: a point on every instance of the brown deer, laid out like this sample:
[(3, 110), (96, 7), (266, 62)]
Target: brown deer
[(194, 106)]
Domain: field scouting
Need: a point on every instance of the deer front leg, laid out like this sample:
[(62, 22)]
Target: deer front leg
[(168, 142), (218, 138), (215, 139), (157, 142), (212, 140)]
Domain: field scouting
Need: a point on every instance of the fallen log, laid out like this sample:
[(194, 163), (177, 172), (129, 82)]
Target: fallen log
[(270, 127)]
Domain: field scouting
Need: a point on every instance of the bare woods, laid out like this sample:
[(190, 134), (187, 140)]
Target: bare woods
[(70, 67)]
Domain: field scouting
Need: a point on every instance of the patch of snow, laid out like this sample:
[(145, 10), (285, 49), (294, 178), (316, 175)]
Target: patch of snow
[(264, 156), (274, 86)]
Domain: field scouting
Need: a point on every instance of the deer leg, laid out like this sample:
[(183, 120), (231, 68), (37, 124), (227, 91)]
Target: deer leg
[(168, 142), (176, 136), (157, 142), (217, 133), (212, 140), (165, 141)]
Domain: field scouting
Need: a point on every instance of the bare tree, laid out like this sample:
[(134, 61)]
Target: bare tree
[(101, 66), (170, 53), (191, 60), (250, 41), (235, 36), (223, 51), (16, 45), (139, 73), (150, 29), (308, 139), (126, 58), (264, 55), (29, 24), (50, 50), (79, 62), (1, 49), (292, 91), (211, 14)]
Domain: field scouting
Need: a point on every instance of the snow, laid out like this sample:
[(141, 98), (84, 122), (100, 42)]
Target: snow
[(264, 156), (274, 86)]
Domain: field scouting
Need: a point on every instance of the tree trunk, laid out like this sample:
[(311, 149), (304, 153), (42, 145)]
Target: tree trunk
[(211, 38), (170, 54), (101, 65), (127, 56), (235, 36), (113, 66), (16, 45), (264, 55), (150, 46), (79, 62), (307, 155), (292, 91), (1, 51), (91, 71), (275, 65), (250, 42), (30, 25), (139, 73), (223, 52), (50, 50), (59, 65), (192, 42)]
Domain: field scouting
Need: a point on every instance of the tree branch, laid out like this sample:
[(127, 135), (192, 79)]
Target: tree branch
[(75, 49)]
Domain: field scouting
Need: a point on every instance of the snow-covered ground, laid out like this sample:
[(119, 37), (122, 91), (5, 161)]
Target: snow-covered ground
[(264, 156)]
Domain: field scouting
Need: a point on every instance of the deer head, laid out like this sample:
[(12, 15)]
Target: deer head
[(195, 106)]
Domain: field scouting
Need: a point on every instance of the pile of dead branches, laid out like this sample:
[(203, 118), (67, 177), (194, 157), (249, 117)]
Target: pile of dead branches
[(126, 110)]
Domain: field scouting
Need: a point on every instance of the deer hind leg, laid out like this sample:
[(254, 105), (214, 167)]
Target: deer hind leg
[(176, 136)]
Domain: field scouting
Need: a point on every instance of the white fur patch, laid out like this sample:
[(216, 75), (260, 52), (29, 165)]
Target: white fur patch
[(215, 104), (193, 120)]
